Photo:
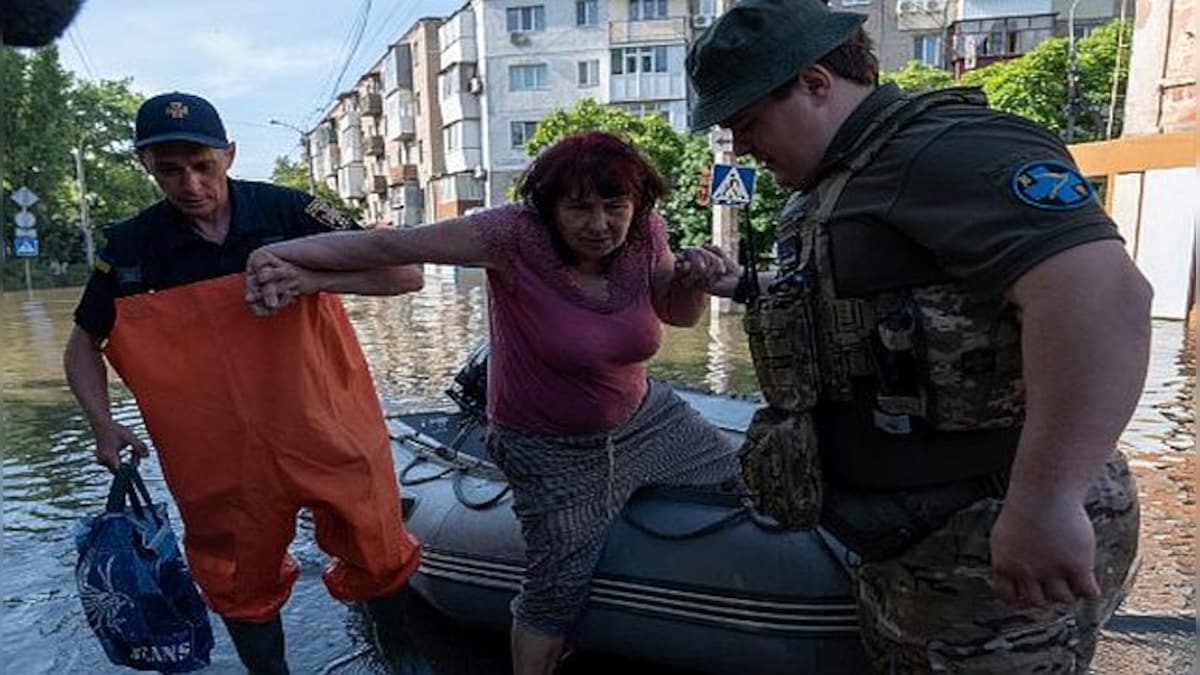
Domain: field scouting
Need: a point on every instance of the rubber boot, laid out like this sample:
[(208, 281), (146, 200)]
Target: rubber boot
[(259, 645), (388, 618)]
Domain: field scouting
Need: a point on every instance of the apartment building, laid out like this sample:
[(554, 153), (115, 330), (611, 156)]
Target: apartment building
[(962, 35), (430, 157), (462, 183), (411, 124), (648, 42), (438, 125)]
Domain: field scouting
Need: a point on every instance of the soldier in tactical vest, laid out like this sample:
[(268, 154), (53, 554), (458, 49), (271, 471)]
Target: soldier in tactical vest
[(951, 345)]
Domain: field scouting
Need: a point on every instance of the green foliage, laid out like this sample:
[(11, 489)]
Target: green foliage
[(1035, 85), (917, 78), (652, 134), (292, 173), (46, 116), (680, 158)]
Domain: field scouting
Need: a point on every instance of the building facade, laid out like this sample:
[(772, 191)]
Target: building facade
[(962, 35)]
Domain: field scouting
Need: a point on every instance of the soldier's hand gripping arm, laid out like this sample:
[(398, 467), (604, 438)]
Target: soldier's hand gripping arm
[(1085, 344), (88, 378)]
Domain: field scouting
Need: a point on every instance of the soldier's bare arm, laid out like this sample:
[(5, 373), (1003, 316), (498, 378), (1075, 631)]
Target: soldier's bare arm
[(1085, 317)]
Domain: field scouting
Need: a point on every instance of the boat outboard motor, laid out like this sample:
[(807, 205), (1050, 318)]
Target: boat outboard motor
[(469, 389)]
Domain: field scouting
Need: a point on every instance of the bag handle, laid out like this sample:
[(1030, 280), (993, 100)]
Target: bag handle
[(128, 486)]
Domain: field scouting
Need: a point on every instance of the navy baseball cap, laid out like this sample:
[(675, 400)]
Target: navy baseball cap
[(179, 117)]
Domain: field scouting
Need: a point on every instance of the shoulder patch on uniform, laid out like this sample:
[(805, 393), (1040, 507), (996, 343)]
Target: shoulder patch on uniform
[(1052, 184), (327, 214), (102, 265)]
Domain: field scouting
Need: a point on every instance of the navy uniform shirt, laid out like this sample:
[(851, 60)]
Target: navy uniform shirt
[(158, 248), (962, 193)]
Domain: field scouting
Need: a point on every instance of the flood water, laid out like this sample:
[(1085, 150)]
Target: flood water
[(414, 345)]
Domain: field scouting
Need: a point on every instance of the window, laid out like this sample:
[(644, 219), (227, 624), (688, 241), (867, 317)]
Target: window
[(452, 137), (648, 109), (520, 132), (587, 12), (647, 10), (631, 60), (855, 3), (1009, 36), (526, 78), (527, 18), (928, 50), (589, 73)]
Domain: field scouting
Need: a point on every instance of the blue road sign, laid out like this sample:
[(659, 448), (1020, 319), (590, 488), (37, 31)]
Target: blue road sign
[(732, 185), (25, 247)]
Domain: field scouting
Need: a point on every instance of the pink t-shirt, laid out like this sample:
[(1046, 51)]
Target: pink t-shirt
[(563, 362)]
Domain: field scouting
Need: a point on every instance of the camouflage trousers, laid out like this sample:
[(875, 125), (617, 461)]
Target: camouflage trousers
[(931, 610)]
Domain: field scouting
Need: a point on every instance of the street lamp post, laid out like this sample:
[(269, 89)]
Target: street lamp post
[(312, 188)]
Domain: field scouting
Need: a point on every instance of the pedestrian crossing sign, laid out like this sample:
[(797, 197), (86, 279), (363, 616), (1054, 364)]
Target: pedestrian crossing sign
[(732, 185), (25, 247)]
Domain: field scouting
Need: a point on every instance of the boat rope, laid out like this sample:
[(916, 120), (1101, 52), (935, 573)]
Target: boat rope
[(488, 503), (405, 481)]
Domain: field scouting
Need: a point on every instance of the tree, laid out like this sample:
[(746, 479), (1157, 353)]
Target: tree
[(917, 78), (1035, 85), (292, 173), (47, 116), (680, 158)]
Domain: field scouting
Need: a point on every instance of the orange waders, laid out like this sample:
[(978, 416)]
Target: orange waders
[(253, 418)]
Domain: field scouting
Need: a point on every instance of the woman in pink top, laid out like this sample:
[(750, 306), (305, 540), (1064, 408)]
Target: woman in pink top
[(580, 276)]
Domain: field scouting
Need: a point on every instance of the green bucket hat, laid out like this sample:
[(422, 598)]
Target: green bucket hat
[(756, 47)]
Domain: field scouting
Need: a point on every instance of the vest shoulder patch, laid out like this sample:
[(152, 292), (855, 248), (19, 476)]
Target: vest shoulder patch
[(328, 215)]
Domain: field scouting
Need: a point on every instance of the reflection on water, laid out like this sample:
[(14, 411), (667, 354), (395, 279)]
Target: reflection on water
[(414, 345)]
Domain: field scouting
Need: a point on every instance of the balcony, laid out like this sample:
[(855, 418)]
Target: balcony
[(350, 180), (405, 127), (398, 175), (375, 146), (646, 87), (330, 159), (461, 106), (672, 29), (462, 50), (372, 104), (378, 184), (460, 160)]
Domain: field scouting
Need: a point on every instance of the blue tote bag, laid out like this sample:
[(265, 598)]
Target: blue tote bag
[(136, 591)]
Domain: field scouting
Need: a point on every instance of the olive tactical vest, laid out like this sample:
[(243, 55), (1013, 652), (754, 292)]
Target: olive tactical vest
[(907, 387)]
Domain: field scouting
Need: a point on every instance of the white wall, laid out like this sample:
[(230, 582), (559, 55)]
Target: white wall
[(1169, 207)]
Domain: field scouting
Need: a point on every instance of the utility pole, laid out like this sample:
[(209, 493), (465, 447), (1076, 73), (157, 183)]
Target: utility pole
[(304, 150), (724, 219), (84, 222), (1072, 75)]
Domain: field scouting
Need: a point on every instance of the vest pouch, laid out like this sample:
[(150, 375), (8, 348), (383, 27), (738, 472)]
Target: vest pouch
[(781, 466), (899, 406), (781, 330), (973, 362)]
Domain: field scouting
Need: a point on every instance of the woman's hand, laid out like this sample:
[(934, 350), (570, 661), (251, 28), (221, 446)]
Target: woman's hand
[(708, 268)]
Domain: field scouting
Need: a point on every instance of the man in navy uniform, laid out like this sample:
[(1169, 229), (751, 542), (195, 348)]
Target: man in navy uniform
[(252, 418)]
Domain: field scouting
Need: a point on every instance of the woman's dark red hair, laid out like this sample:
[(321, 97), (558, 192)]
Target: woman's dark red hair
[(591, 162)]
